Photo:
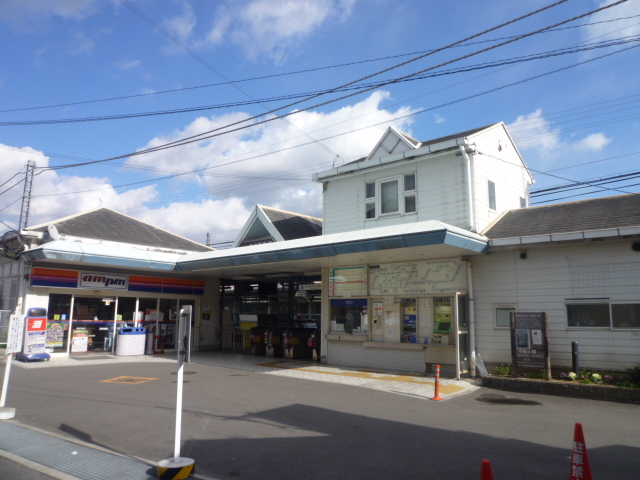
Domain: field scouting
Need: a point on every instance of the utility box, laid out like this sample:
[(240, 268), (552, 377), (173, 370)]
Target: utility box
[(131, 341)]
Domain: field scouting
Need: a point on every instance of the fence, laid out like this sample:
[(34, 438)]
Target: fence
[(5, 319)]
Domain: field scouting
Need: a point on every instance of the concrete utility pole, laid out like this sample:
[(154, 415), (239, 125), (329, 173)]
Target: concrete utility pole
[(26, 195)]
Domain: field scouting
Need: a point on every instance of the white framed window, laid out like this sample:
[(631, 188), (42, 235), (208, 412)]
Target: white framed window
[(390, 196), (503, 314), (614, 315), (492, 195)]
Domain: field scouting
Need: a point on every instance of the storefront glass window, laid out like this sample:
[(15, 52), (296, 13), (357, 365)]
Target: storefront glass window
[(127, 310), (167, 323), (92, 328), (59, 314), (349, 316)]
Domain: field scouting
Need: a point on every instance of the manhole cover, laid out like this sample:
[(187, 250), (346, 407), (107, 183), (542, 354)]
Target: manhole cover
[(495, 399)]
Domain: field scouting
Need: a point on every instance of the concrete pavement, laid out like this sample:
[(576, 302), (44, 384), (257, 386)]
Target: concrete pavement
[(31, 453)]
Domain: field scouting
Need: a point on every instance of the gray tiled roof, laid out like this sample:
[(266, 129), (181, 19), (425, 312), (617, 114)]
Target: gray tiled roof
[(593, 214), (293, 225), (466, 133), (112, 226)]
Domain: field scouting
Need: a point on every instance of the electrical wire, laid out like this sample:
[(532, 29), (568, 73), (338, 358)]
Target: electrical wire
[(493, 64), (212, 134), (297, 72)]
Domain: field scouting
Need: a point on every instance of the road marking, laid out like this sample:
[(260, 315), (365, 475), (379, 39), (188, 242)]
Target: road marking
[(131, 380)]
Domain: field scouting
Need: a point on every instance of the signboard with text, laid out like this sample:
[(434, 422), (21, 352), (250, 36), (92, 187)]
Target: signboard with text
[(530, 342)]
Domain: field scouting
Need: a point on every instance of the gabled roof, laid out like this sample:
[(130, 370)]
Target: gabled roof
[(395, 146), (111, 226), (605, 213), (267, 224)]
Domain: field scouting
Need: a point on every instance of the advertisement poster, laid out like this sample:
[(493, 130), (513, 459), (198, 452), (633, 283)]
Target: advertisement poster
[(530, 341), (36, 335), (80, 342), (55, 335)]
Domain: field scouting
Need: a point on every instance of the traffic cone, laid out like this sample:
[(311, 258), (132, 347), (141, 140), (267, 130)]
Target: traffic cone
[(580, 466), (487, 472)]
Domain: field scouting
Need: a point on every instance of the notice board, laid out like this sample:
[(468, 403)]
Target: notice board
[(530, 342), (418, 278)]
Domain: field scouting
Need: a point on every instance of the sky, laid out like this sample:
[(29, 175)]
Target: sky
[(87, 86)]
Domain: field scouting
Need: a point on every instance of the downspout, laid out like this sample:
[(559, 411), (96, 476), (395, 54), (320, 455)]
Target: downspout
[(472, 220), (472, 322)]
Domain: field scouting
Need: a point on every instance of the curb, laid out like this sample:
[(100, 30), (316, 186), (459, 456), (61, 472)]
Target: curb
[(564, 389)]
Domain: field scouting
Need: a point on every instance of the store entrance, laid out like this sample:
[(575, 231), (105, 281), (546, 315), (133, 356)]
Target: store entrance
[(93, 324)]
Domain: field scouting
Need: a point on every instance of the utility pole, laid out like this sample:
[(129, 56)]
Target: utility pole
[(208, 239), (26, 195)]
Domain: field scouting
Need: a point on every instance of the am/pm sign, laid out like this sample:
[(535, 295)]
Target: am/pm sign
[(530, 342)]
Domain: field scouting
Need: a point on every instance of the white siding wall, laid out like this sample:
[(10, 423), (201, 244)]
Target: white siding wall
[(505, 170), (543, 282), (440, 187)]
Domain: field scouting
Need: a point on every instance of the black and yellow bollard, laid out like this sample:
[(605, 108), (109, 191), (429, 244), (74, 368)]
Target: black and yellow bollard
[(176, 468)]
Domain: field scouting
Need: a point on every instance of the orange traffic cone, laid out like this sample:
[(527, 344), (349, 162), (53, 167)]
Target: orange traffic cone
[(580, 466), (487, 472)]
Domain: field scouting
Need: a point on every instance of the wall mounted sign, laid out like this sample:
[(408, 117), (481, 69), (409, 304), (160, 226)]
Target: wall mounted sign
[(348, 282)]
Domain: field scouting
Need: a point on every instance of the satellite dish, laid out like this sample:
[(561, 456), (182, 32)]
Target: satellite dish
[(53, 232)]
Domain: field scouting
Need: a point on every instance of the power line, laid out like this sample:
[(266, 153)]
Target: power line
[(211, 134), (493, 64), (297, 72)]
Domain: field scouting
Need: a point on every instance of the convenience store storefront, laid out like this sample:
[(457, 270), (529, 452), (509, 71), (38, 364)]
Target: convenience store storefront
[(87, 308)]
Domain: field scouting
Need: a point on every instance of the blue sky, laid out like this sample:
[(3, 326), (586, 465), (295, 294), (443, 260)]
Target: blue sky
[(67, 61)]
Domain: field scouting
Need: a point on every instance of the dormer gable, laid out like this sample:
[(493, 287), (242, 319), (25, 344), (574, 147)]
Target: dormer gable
[(392, 142), (268, 225)]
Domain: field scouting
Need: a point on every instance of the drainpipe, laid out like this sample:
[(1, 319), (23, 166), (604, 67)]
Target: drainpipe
[(472, 322), (472, 220)]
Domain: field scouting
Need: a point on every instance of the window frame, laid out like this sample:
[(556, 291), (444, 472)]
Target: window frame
[(374, 202), (503, 306), (610, 315), (491, 193)]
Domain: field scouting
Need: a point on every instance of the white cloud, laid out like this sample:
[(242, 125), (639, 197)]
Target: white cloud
[(24, 12), (274, 28), (439, 119), (55, 195), (82, 44), (595, 141), (127, 64), (259, 164), (534, 132), (545, 145), (217, 200), (182, 25), (616, 29)]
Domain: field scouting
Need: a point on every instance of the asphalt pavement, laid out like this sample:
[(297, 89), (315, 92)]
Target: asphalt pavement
[(265, 418)]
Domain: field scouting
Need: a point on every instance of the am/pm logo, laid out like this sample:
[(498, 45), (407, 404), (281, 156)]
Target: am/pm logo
[(100, 281)]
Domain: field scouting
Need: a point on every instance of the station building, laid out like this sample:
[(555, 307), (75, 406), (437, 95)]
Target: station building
[(424, 250)]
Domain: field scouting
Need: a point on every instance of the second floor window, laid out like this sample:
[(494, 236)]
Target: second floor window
[(390, 196)]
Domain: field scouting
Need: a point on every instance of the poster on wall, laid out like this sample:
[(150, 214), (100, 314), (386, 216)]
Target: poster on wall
[(55, 335), (530, 342), (418, 278), (348, 282), (80, 341)]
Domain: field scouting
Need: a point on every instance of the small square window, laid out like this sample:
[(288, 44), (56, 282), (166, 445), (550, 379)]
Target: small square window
[(370, 190), (370, 210), (503, 316), (409, 204), (409, 182)]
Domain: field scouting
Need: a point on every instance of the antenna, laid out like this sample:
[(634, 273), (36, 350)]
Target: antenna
[(26, 195), (53, 232)]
